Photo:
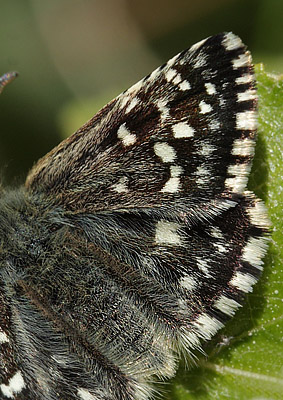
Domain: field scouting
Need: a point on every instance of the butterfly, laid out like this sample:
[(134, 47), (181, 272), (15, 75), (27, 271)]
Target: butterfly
[(135, 239)]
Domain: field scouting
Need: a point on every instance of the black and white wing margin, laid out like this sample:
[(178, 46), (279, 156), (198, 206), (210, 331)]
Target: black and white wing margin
[(155, 239)]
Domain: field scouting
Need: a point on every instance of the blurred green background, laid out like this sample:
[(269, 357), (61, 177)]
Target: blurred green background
[(73, 56)]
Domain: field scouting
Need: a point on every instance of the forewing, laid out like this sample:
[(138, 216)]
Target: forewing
[(181, 138)]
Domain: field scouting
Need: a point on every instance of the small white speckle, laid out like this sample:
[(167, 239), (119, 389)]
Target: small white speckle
[(132, 104), (204, 107), (247, 95), (126, 136), (182, 130), (254, 251), (165, 152), (185, 85), (3, 337), (188, 282), (243, 282), (202, 175), (15, 385), (210, 88), (166, 233), (121, 186), (244, 79), (85, 394), (231, 42), (226, 305), (243, 60), (243, 147)]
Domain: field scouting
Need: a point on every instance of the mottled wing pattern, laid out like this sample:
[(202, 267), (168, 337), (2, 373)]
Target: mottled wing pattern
[(153, 237), (182, 137)]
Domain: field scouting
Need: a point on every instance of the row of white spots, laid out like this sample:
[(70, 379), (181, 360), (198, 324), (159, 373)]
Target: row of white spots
[(14, 387), (182, 130), (173, 184), (126, 136), (167, 233)]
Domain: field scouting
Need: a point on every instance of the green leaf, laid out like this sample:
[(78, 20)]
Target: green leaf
[(245, 360)]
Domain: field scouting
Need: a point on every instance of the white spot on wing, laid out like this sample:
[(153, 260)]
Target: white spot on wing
[(164, 151), (164, 110), (231, 42), (246, 78), (214, 125), (207, 326), (15, 385), (3, 337), (121, 186), (166, 233), (132, 104), (170, 74), (226, 305), (182, 130), (254, 251), (243, 282), (243, 147), (188, 282), (206, 149), (249, 94), (243, 60), (203, 267), (185, 85), (177, 79), (172, 185), (258, 215), (126, 136), (85, 394), (210, 88), (204, 107)]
